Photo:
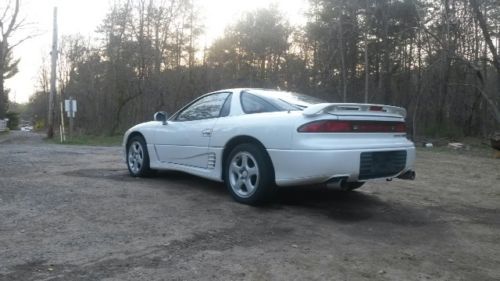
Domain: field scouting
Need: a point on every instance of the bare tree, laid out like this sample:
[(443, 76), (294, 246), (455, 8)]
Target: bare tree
[(486, 33), (8, 25), (430, 56)]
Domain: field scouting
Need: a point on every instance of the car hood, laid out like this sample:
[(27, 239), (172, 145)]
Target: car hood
[(143, 125)]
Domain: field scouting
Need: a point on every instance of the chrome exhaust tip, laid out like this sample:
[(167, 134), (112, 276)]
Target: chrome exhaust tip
[(408, 175), (336, 183)]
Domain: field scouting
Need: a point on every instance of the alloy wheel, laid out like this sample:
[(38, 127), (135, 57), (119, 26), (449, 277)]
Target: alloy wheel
[(135, 157), (243, 174)]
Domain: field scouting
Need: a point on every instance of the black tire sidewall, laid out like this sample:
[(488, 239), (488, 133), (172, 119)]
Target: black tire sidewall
[(265, 188)]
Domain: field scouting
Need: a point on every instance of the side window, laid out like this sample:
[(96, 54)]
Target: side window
[(226, 108), (253, 104), (204, 108)]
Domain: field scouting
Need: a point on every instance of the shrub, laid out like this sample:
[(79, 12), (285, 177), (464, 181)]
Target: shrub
[(13, 122)]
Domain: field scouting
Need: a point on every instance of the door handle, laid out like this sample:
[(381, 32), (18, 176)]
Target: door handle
[(206, 132)]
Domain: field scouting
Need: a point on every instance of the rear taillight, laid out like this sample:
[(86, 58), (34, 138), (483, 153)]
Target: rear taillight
[(337, 126), (376, 108)]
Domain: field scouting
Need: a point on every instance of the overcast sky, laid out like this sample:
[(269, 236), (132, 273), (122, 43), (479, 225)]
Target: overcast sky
[(83, 16)]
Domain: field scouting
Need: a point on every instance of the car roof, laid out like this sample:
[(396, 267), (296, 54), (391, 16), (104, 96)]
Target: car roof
[(299, 99)]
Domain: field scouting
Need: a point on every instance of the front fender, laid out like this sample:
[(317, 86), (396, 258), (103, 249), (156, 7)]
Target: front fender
[(146, 130)]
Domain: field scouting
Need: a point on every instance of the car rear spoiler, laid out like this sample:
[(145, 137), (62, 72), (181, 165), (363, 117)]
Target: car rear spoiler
[(353, 108)]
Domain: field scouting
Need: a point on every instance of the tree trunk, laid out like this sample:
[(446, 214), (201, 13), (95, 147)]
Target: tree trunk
[(7, 28), (342, 59), (487, 37), (367, 70), (3, 95)]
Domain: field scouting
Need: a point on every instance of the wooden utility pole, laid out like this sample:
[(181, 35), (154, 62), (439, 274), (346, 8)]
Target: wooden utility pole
[(50, 131), (71, 116)]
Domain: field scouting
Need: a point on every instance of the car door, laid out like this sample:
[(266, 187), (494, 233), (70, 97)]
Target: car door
[(184, 139)]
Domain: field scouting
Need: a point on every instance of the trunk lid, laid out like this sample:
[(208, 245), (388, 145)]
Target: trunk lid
[(356, 110)]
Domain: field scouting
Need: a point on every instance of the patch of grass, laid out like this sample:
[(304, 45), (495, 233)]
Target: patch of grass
[(472, 146), (4, 134), (450, 132), (90, 140)]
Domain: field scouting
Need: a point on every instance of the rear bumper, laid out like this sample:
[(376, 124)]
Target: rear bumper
[(298, 167)]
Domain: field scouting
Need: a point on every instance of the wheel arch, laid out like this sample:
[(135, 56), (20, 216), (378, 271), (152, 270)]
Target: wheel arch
[(235, 141), (145, 170), (130, 136)]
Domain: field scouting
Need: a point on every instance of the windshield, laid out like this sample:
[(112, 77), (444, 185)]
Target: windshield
[(287, 100)]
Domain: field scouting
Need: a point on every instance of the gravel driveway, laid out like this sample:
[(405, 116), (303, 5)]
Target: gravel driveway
[(73, 213)]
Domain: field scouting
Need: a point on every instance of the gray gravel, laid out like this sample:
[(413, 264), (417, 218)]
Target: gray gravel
[(73, 213)]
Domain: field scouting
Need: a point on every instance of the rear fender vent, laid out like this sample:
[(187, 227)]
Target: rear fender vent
[(211, 160)]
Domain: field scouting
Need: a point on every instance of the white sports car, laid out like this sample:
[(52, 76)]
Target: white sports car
[(256, 139)]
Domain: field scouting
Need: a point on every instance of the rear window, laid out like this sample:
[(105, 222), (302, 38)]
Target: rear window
[(284, 101), (254, 104)]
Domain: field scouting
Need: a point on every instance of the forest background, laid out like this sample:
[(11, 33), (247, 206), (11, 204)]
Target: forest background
[(437, 58)]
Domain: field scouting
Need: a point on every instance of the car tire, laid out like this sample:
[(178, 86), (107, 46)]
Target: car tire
[(138, 157), (249, 175), (350, 186)]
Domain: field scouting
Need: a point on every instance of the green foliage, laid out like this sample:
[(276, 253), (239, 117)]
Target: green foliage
[(450, 132), (39, 124), (13, 117), (36, 110), (8, 70), (91, 140), (21, 108)]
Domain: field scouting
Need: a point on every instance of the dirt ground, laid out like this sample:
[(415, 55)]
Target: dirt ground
[(73, 213)]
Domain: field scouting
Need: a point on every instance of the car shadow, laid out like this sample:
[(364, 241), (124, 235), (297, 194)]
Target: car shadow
[(340, 206), (184, 180), (351, 206), (337, 205)]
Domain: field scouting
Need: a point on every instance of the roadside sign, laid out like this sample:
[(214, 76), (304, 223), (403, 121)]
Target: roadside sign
[(70, 107)]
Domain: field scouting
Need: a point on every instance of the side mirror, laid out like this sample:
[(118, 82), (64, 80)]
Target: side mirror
[(161, 116)]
